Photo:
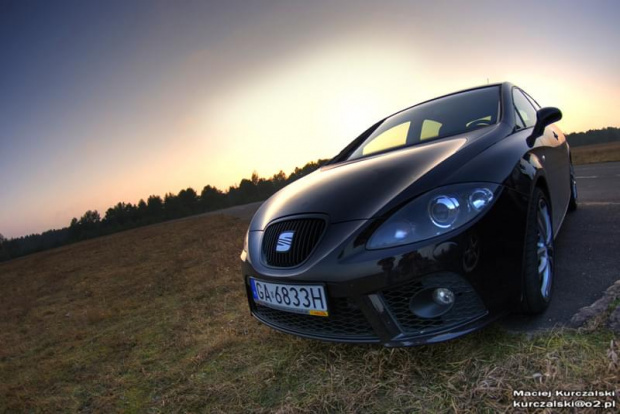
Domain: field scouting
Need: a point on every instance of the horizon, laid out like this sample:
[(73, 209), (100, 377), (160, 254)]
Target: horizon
[(116, 101), (163, 196), (224, 191)]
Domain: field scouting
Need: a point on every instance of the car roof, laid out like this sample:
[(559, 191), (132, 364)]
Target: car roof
[(500, 84)]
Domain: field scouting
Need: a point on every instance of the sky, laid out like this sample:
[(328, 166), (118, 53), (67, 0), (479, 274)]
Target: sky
[(116, 100)]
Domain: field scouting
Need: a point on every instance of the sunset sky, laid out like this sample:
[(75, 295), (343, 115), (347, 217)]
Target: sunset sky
[(108, 101)]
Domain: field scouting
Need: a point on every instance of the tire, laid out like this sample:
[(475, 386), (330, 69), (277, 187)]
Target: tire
[(572, 204), (538, 263)]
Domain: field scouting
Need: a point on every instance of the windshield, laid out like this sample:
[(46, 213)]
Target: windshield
[(436, 119)]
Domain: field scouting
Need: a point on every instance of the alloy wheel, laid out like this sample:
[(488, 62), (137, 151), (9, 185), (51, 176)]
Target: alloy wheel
[(544, 249)]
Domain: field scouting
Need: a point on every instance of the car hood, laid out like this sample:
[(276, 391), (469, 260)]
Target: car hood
[(360, 189)]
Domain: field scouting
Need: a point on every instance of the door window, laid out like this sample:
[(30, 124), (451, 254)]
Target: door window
[(525, 111)]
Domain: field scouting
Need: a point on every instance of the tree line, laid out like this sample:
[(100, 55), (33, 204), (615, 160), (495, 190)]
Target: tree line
[(593, 136), (154, 209)]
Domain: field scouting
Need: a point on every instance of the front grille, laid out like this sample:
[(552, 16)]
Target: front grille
[(346, 322), (306, 234), (467, 305)]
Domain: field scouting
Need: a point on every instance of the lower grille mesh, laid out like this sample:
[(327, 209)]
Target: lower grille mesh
[(346, 321)]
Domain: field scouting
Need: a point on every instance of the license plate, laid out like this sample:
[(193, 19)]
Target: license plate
[(306, 299)]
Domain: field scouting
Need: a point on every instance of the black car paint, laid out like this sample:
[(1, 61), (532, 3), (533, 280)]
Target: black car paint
[(356, 196)]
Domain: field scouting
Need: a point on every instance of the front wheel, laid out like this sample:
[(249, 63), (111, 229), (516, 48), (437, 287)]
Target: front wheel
[(538, 266), (572, 204)]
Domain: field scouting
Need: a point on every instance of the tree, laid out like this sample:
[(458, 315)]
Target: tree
[(86, 227), (265, 189), (142, 210), (119, 215), (248, 191), (212, 199), (188, 201), (3, 254), (172, 208), (90, 218), (74, 230), (154, 208), (278, 180), (305, 170), (132, 213)]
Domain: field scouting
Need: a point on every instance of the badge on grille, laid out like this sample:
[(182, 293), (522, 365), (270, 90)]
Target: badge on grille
[(284, 241)]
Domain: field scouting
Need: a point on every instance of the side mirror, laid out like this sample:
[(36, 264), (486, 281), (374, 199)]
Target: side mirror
[(544, 117)]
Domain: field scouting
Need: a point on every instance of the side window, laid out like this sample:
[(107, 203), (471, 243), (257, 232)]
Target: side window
[(430, 129), (392, 138), (532, 100), (524, 109), (518, 120)]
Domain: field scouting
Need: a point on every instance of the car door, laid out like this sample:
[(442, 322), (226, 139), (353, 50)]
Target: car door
[(551, 150), (559, 162)]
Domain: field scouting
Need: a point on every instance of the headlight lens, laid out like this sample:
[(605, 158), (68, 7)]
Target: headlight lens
[(434, 213), (443, 210)]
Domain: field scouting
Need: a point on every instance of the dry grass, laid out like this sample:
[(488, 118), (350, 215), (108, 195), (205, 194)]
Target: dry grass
[(155, 319), (596, 153)]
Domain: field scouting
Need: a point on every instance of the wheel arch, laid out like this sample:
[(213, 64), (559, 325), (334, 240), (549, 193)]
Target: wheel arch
[(541, 182)]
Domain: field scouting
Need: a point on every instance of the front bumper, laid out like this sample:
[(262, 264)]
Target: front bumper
[(370, 292), (385, 316)]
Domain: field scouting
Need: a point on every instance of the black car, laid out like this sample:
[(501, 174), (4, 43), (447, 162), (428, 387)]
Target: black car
[(434, 222)]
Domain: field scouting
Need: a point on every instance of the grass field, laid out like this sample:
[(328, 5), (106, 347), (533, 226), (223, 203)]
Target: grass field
[(155, 319), (596, 153)]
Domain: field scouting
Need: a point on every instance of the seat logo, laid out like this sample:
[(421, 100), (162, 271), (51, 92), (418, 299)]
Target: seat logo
[(285, 239)]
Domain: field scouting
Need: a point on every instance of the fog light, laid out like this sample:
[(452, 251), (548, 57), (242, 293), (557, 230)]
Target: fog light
[(443, 296), (431, 302)]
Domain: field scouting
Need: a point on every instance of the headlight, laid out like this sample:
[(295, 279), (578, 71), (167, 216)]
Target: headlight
[(434, 213)]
